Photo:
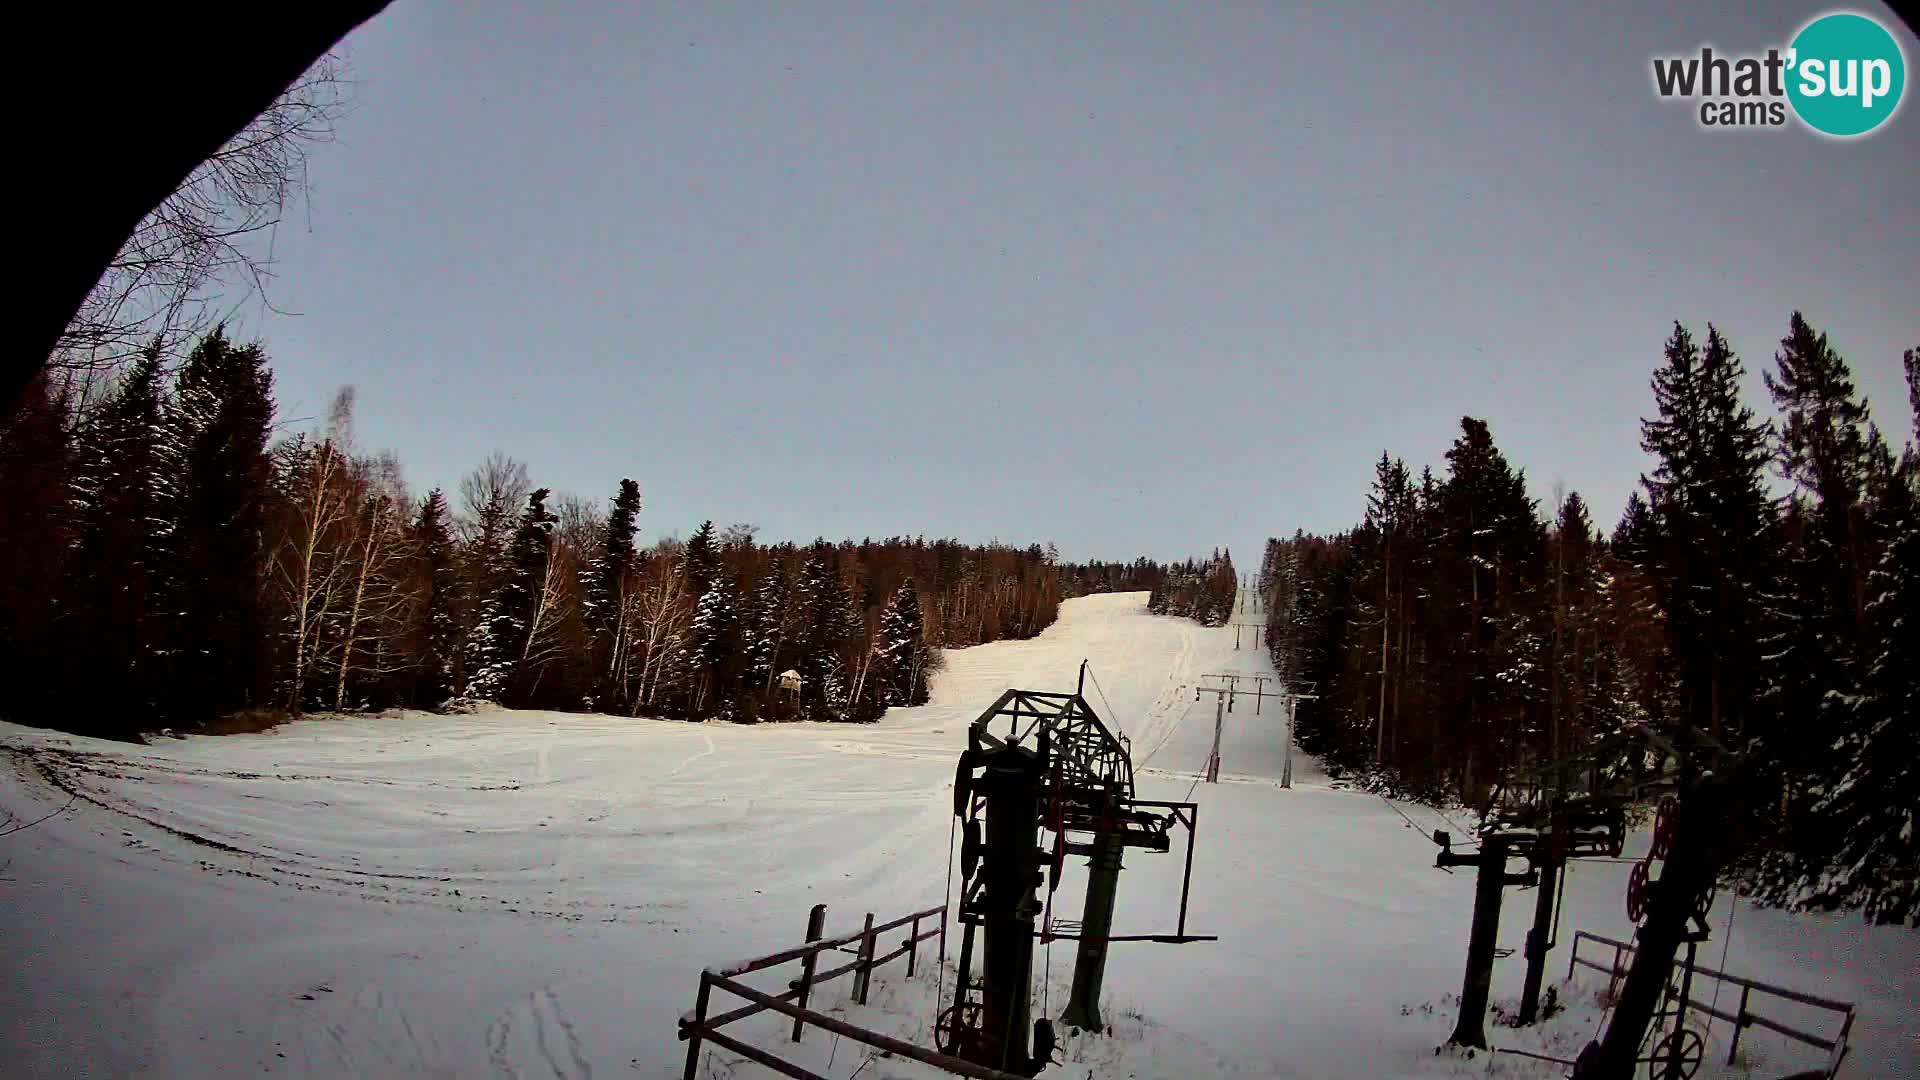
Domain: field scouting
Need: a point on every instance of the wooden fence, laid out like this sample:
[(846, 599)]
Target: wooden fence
[(697, 1026), (1742, 1017)]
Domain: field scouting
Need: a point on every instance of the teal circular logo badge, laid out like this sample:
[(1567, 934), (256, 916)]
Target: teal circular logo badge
[(1845, 74)]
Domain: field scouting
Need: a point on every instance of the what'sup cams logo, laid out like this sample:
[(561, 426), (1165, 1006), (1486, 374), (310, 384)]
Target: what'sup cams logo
[(1843, 76)]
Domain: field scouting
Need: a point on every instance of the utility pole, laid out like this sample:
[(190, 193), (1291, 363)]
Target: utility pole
[(1096, 928), (1232, 686), (1220, 696), (1259, 691), (1223, 704), (1293, 705), (1548, 860), (1491, 861)]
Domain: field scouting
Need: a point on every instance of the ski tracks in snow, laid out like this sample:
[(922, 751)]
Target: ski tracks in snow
[(1161, 720), (365, 1033), (370, 1033), (707, 753), (537, 1032)]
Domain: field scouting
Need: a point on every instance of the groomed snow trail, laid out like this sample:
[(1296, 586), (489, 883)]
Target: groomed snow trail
[(533, 894)]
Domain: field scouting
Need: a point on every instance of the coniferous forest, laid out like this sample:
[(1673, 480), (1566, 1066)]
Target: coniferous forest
[(176, 559), (1760, 586), (1201, 591)]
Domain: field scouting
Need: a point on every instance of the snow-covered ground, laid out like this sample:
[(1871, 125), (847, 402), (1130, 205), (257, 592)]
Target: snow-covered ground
[(534, 894)]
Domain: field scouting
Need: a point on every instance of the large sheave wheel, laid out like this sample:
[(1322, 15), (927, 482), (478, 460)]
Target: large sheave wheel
[(1678, 1056), (1663, 824), (958, 1032), (1638, 885)]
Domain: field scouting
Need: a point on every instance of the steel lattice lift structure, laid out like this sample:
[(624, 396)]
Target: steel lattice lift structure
[(1576, 808), (1041, 768)]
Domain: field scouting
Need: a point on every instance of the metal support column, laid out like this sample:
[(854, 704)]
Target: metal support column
[(1096, 923), (1537, 939), (1011, 785), (1491, 879), (1219, 722)]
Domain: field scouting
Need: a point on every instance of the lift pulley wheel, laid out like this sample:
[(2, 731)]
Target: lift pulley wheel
[(1059, 860), (1638, 888), (1664, 821), (1678, 1056), (958, 1032)]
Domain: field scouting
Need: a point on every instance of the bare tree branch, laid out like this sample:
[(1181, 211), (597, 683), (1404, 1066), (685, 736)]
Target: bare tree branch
[(11, 824), (207, 247)]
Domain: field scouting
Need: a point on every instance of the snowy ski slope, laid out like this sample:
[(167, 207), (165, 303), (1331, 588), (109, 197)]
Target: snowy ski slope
[(533, 894)]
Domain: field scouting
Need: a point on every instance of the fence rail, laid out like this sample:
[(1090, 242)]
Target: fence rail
[(1742, 1017), (697, 1026)]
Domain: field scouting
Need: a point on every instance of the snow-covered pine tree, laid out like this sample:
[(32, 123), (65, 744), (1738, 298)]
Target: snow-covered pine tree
[(609, 578), (1713, 531), (438, 626), (825, 631), (511, 618), (222, 414), (716, 645), (702, 559), (1874, 863), (771, 623), (1218, 589), (1825, 449), (1577, 712), (125, 498), (1380, 551), (903, 655), (1492, 561), (1910, 362), (1282, 563), (490, 498), (1642, 678)]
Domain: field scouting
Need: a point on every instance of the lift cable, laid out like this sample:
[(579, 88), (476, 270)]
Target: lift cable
[(1444, 816), (1168, 737), (1403, 814), (1560, 900), (1726, 943), (1046, 978), (1601, 1024), (1191, 788), (1102, 691), (948, 899), (1411, 824)]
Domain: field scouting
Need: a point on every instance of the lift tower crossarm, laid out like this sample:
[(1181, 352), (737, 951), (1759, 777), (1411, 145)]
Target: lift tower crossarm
[(1052, 767)]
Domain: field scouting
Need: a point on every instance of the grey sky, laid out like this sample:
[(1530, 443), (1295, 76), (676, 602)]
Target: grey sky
[(1139, 280)]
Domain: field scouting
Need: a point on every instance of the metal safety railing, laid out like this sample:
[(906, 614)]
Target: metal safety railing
[(697, 1026), (1743, 1016)]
